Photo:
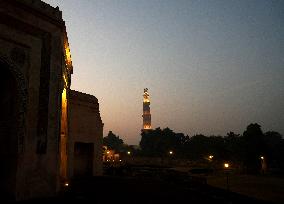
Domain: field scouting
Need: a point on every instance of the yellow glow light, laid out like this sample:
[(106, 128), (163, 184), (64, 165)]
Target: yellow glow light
[(171, 152), (262, 157), (128, 152), (66, 184), (226, 165), (65, 80), (146, 98), (68, 55), (211, 157), (147, 127), (64, 95)]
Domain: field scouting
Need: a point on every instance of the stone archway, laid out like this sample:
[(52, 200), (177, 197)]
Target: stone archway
[(12, 109)]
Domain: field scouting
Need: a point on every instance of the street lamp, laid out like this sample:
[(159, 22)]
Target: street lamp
[(263, 164), (211, 157), (226, 166), (128, 152), (171, 152), (262, 157)]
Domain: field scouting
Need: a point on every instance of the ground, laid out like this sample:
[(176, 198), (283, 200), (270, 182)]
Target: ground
[(111, 189), (264, 187)]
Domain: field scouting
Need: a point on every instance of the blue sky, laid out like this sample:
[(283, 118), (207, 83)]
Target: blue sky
[(211, 66)]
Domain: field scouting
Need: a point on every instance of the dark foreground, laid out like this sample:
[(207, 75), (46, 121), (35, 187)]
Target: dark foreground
[(107, 189)]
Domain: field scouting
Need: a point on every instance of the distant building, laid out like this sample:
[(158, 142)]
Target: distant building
[(146, 111)]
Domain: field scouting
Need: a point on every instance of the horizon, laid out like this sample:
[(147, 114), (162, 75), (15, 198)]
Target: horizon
[(210, 67)]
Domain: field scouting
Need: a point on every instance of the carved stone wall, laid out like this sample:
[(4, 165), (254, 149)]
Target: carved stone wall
[(32, 40)]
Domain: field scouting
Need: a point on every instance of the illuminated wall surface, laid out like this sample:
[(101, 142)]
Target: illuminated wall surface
[(63, 136)]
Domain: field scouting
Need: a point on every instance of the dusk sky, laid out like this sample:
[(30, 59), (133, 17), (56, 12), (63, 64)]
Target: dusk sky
[(210, 66)]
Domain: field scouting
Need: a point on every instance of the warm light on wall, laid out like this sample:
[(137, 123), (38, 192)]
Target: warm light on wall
[(63, 136), (68, 55), (146, 98), (64, 100), (68, 59), (65, 81), (147, 127)]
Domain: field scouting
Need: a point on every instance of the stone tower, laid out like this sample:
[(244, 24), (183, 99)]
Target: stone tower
[(146, 111)]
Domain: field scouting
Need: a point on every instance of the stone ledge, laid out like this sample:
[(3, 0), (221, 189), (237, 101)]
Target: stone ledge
[(42, 8), (83, 96)]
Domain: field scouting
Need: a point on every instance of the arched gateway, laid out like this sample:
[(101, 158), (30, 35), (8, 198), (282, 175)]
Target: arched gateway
[(12, 109)]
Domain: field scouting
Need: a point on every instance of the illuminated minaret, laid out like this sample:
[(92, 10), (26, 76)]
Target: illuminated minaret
[(146, 111)]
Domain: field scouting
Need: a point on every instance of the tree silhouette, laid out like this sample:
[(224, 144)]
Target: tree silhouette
[(159, 142), (254, 147), (244, 150), (275, 149), (113, 142)]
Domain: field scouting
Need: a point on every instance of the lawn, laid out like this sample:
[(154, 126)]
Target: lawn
[(262, 187)]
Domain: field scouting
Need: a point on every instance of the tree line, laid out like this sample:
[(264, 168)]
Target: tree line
[(244, 150)]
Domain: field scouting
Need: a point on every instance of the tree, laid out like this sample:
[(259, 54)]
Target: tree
[(244, 150), (235, 148), (113, 142), (159, 142), (254, 147), (275, 149), (197, 147)]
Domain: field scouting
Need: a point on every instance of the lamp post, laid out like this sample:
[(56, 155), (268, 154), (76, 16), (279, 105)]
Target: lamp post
[(263, 164), (226, 166)]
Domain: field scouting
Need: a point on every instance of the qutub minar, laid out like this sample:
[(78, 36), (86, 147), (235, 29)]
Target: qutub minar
[(146, 111)]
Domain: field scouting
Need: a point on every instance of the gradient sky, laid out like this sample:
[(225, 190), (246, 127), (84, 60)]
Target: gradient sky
[(211, 66)]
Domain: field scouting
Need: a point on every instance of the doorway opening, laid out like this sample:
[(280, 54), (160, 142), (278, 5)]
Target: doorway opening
[(8, 133), (83, 159)]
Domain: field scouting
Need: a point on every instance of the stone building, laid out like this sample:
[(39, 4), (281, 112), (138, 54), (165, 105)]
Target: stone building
[(35, 79), (85, 135)]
